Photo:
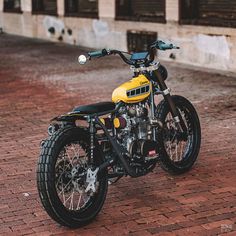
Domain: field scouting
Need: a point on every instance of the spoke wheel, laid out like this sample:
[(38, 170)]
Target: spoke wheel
[(179, 152), (62, 178), (175, 146), (70, 177)]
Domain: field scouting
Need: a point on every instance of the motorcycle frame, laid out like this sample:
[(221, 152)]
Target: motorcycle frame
[(94, 120)]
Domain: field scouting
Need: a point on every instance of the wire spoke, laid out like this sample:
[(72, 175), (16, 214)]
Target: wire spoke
[(70, 183), (71, 202), (175, 148), (65, 186), (77, 208)]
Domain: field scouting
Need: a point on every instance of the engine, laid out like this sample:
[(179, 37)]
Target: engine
[(134, 132)]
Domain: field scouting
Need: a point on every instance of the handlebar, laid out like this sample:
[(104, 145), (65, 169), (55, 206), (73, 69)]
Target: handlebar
[(151, 52), (105, 52), (100, 53)]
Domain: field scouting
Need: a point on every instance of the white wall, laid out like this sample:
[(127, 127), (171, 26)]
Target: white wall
[(210, 47)]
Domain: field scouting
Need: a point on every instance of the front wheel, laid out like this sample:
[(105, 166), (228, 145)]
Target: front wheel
[(62, 178), (179, 153)]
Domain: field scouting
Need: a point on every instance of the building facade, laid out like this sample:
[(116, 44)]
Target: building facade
[(204, 29)]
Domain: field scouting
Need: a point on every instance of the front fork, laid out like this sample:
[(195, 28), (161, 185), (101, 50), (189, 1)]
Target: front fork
[(174, 111), (153, 108)]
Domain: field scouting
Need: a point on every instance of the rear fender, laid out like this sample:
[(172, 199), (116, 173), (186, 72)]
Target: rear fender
[(69, 117)]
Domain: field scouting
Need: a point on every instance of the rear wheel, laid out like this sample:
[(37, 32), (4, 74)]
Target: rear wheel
[(62, 178), (179, 153)]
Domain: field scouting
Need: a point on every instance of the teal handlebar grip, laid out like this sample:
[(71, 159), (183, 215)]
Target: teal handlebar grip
[(99, 53)]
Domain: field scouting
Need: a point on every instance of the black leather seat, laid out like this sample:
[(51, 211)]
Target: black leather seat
[(101, 107)]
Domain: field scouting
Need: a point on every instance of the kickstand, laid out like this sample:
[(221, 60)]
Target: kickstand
[(110, 182)]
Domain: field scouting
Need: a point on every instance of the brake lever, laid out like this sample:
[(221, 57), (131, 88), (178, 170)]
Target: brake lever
[(161, 45), (176, 47)]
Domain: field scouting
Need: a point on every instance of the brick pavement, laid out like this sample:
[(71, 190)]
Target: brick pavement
[(39, 80)]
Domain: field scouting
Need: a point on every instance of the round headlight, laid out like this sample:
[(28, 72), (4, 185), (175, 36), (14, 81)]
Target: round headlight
[(82, 59)]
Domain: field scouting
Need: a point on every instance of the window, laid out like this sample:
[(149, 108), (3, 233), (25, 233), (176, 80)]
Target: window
[(12, 6), (138, 41), (81, 8), (141, 10), (48, 7), (208, 12)]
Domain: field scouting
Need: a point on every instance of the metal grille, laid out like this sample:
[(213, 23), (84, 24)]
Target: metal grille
[(12, 6), (138, 91), (48, 7), (138, 41), (81, 8), (141, 10), (208, 12)]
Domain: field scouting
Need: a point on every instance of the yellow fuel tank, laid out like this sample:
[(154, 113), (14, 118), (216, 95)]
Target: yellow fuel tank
[(135, 90)]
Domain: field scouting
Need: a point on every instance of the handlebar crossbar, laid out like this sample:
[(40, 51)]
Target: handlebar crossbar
[(105, 52)]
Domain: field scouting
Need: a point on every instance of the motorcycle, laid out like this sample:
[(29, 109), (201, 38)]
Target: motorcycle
[(125, 137)]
